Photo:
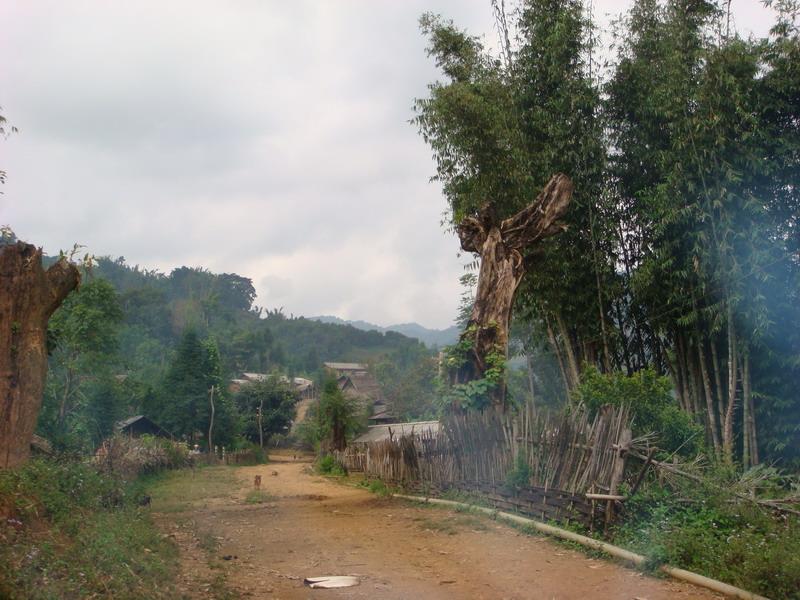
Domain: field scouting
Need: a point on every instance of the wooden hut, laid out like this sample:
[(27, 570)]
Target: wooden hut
[(141, 425)]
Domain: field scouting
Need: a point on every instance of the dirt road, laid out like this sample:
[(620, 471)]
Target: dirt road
[(309, 526)]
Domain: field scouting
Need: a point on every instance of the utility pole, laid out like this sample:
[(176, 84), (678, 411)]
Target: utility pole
[(260, 428), (211, 422)]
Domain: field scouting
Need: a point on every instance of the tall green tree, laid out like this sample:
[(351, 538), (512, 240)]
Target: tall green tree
[(184, 403), (681, 255), (337, 417), (499, 131), (83, 397), (266, 408), (702, 239)]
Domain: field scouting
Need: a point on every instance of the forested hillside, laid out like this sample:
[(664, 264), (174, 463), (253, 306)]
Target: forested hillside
[(437, 338), (132, 340)]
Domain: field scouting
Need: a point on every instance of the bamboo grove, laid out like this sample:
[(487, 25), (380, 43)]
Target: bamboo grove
[(683, 141)]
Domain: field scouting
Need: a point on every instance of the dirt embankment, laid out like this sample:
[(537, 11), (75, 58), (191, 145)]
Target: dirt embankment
[(304, 526)]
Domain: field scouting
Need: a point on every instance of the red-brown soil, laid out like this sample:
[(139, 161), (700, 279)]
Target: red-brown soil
[(311, 526)]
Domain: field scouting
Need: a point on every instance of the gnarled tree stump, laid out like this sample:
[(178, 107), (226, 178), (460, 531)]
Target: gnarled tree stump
[(501, 246), (28, 296)]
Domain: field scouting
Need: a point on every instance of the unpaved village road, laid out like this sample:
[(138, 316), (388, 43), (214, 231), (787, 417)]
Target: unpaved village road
[(311, 526)]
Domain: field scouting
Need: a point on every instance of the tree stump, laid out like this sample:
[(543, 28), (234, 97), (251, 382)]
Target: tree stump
[(28, 296), (500, 245)]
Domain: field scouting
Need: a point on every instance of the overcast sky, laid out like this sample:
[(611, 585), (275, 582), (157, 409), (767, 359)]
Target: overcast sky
[(265, 138)]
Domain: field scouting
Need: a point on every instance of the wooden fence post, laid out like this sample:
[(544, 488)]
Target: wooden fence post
[(618, 472)]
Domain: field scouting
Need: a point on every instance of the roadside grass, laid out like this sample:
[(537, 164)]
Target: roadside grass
[(736, 543), (452, 524), (207, 541), (258, 497), (69, 532), (219, 589), (180, 491), (377, 487)]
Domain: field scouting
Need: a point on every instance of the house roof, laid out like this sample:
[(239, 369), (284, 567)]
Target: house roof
[(383, 417), (141, 420), (379, 433), (255, 376), (366, 384), (301, 384), (343, 366), (129, 421)]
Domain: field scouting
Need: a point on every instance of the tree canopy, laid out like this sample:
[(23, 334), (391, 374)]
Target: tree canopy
[(682, 249)]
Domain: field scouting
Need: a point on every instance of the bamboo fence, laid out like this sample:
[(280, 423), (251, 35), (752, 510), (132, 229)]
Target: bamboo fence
[(568, 456)]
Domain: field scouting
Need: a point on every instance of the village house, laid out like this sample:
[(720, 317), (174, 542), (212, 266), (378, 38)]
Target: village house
[(236, 384), (304, 387), (357, 382), (140, 425)]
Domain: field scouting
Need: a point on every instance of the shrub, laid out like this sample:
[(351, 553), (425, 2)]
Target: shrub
[(736, 543), (376, 486), (69, 531), (652, 406), (328, 465), (57, 491), (128, 456), (520, 476)]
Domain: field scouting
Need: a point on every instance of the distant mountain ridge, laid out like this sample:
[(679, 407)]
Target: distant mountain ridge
[(429, 337)]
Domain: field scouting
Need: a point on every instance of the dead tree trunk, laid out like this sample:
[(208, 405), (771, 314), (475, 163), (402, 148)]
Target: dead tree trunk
[(501, 246), (28, 296)]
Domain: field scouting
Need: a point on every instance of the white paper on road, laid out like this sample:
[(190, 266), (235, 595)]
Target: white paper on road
[(331, 581)]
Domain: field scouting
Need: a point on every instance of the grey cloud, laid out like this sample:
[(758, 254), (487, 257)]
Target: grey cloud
[(266, 138)]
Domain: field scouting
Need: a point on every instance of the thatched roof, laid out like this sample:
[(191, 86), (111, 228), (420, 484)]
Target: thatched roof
[(383, 416), (379, 433)]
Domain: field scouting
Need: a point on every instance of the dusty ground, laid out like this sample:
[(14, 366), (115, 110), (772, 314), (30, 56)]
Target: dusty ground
[(309, 526)]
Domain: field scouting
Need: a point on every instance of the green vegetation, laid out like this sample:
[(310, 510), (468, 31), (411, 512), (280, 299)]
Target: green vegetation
[(700, 530), (71, 532), (375, 486), (408, 381), (474, 394), (452, 524), (675, 289), (266, 408), (184, 403), (333, 420), (651, 403), (328, 465), (258, 497), (520, 476), (681, 250), (134, 341), (178, 491), (129, 457), (82, 392)]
